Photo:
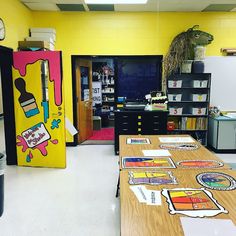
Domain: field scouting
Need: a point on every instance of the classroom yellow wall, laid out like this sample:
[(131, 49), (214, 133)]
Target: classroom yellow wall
[(126, 33), (18, 19)]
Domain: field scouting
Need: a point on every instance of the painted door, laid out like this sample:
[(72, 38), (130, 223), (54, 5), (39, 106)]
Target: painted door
[(84, 99), (39, 109)]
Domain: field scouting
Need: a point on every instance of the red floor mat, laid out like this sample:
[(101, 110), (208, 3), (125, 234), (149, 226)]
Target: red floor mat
[(103, 134)]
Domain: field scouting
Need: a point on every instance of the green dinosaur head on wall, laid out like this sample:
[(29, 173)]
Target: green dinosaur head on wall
[(182, 48)]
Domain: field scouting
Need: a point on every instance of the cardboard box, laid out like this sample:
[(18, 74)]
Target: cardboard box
[(33, 44)]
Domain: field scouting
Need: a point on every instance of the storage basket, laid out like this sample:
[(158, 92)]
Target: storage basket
[(199, 97), (174, 97), (198, 110), (175, 110), (200, 83), (175, 83)]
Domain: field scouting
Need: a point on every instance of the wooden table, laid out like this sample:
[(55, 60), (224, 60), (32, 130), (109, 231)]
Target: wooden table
[(135, 150), (144, 220)]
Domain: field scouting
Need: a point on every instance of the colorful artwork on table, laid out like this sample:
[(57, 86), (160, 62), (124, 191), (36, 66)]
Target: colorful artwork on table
[(138, 141), (151, 177), (192, 202), (200, 164), (217, 181), (179, 146), (39, 109), (147, 162)]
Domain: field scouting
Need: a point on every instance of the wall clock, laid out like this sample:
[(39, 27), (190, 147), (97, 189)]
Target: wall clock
[(2, 30)]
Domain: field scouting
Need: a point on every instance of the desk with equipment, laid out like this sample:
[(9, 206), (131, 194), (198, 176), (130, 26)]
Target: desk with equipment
[(193, 191)]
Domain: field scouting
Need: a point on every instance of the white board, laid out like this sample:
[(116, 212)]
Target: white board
[(223, 81)]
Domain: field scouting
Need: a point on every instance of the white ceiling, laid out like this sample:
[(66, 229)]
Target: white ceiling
[(152, 5)]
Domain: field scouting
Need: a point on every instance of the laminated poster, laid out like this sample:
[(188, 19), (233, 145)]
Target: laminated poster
[(147, 162), (151, 177), (192, 202)]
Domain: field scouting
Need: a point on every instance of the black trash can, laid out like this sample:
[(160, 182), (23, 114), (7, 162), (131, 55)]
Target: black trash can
[(2, 167)]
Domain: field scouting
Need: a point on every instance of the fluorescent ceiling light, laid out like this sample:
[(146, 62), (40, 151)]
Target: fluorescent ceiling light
[(115, 1)]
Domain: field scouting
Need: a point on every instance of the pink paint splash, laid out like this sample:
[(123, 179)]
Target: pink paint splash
[(23, 58), (55, 141), (30, 155), (41, 147)]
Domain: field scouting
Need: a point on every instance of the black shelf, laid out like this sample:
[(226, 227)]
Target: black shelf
[(189, 88), (107, 92), (188, 130), (188, 102), (189, 115), (197, 123)]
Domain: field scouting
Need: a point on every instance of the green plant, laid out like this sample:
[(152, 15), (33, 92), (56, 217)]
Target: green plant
[(182, 48)]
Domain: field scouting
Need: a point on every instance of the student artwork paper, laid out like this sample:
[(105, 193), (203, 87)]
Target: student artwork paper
[(150, 197), (176, 140), (216, 181), (156, 153), (147, 162), (192, 202), (151, 177), (138, 141), (207, 227)]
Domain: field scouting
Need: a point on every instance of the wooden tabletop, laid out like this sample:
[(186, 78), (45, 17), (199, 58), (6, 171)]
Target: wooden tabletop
[(135, 150), (141, 219)]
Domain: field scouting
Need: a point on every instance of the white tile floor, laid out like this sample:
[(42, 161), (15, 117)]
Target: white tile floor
[(76, 201)]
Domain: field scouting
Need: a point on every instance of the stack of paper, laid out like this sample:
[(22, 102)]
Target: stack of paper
[(156, 153), (150, 197)]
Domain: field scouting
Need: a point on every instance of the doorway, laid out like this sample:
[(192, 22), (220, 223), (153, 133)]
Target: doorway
[(95, 90)]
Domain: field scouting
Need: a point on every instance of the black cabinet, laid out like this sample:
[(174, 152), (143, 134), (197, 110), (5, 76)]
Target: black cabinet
[(139, 122)]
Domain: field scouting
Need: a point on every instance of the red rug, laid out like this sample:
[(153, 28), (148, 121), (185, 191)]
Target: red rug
[(103, 134)]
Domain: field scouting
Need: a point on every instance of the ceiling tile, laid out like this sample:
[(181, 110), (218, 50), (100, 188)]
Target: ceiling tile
[(42, 6), (152, 5), (71, 7), (220, 7), (101, 7)]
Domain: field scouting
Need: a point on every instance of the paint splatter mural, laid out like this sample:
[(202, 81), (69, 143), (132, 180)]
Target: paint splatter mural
[(39, 109)]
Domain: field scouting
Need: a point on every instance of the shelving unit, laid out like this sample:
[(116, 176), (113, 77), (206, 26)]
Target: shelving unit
[(103, 71), (189, 96)]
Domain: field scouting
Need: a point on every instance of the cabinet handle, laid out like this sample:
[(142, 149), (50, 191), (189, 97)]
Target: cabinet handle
[(125, 123), (124, 129), (156, 129), (156, 116), (125, 116), (156, 123)]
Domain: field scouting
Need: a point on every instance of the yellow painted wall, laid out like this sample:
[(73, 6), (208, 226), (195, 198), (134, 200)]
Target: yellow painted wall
[(18, 19), (107, 33)]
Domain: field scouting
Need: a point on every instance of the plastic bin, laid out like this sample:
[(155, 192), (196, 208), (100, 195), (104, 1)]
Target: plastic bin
[(198, 110), (174, 97), (200, 83), (199, 97), (175, 110), (175, 83), (2, 167)]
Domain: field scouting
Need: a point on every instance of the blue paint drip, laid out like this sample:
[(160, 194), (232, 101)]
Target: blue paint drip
[(28, 159)]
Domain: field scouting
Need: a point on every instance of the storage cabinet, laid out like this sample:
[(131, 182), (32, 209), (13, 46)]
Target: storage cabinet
[(189, 96), (222, 134), (139, 122)]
